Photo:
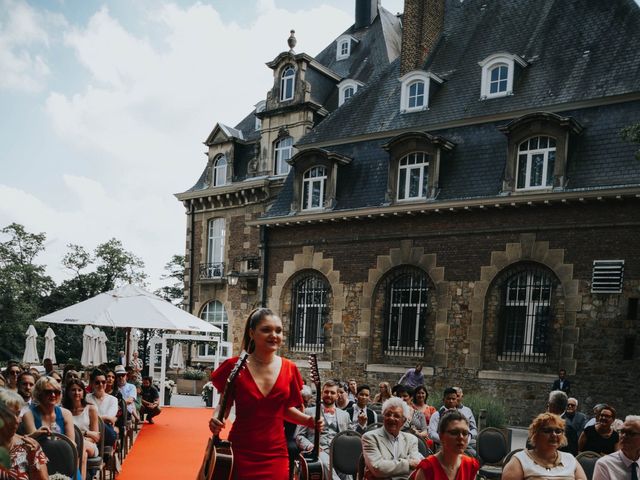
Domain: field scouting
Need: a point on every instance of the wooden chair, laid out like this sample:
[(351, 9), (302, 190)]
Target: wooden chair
[(492, 447), (61, 452), (97, 463), (345, 448), (588, 461)]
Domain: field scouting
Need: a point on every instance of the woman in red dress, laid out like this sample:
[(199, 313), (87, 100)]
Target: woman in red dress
[(450, 462), (266, 394)]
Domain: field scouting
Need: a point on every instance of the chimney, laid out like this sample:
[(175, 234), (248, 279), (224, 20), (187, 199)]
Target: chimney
[(366, 12), (422, 25)]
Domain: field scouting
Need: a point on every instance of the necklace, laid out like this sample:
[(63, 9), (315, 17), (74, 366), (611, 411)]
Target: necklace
[(544, 463)]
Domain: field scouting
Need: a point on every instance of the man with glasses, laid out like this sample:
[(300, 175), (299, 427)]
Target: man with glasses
[(127, 390), (625, 463), (390, 453), (574, 421)]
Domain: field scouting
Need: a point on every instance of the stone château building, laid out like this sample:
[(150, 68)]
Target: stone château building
[(457, 194)]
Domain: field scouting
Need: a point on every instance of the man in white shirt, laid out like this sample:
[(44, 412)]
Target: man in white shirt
[(625, 463), (390, 453), (127, 390)]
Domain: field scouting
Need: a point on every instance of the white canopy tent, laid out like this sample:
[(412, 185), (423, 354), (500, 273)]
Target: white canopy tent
[(50, 346), (30, 347), (131, 307)]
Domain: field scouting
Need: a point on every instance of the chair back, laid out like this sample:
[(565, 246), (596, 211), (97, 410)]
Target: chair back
[(587, 461), (509, 455), (345, 449), (492, 446), (61, 452), (373, 426), (361, 466), (101, 429), (79, 439), (376, 407)]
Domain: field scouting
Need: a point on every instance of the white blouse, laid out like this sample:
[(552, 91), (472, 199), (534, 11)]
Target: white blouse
[(565, 470)]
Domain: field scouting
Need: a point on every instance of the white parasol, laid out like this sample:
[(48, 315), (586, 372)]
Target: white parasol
[(101, 356), (134, 337), (50, 346), (177, 356), (30, 347), (87, 346)]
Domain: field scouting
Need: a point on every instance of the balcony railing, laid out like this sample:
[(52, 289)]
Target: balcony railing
[(211, 271)]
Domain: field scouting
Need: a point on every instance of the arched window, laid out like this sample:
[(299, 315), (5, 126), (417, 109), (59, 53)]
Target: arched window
[(526, 310), (314, 183), (214, 313), (282, 152), (287, 83), (214, 268), (220, 171), (498, 79), (310, 308), (405, 312), (416, 94), (536, 161), (348, 93), (413, 176)]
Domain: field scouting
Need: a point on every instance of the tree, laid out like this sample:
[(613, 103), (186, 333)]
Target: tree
[(632, 134), (175, 273), (23, 286)]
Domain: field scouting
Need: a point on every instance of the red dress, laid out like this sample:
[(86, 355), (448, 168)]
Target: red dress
[(432, 469), (257, 435)]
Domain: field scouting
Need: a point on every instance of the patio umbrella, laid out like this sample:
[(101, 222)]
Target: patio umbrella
[(177, 356), (134, 336), (50, 345), (95, 347), (87, 346), (100, 354), (30, 350)]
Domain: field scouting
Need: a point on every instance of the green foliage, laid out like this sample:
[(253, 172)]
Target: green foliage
[(193, 374), (632, 134), (175, 273), (496, 416)]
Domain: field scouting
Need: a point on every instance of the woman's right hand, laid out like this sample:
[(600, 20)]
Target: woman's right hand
[(215, 426), (41, 431)]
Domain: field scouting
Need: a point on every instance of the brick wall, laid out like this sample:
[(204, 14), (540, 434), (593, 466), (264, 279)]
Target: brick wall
[(421, 27)]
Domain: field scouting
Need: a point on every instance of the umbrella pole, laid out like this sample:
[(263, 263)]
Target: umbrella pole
[(126, 347)]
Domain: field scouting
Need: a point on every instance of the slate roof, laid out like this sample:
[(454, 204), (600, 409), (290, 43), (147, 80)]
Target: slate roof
[(475, 167), (577, 50)]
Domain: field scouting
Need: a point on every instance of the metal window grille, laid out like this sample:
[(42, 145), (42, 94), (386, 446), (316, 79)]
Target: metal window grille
[(405, 316), (525, 315), (210, 271), (310, 310), (607, 276)]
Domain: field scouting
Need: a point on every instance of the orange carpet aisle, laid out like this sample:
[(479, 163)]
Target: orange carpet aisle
[(172, 448)]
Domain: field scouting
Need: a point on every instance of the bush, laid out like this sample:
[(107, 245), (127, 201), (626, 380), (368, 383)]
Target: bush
[(496, 416), (193, 374)]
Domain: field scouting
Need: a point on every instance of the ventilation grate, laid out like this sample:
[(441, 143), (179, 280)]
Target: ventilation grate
[(607, 276)]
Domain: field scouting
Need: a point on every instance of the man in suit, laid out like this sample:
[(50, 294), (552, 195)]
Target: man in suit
[(561, 383), (361, 416), (576, 420), (389, 453), (335, 420)]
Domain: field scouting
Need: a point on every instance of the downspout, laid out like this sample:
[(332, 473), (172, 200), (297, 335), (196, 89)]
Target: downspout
[(264, 239), (191, 263)]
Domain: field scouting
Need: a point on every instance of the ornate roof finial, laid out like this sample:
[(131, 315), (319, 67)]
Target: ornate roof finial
[(291, 41)]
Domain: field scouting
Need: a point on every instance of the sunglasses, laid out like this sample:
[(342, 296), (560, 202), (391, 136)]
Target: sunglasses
[(51, 392), (571, 405), (551, 430), (457, 433), (14, 372), (100, 382)]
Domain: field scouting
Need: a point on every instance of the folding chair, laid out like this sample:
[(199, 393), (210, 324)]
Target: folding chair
[(492, 447), (345, 449), (95, 464), (61, 452), (588, 461)]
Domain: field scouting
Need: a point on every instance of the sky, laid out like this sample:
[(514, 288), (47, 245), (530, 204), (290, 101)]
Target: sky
[(105, 105)]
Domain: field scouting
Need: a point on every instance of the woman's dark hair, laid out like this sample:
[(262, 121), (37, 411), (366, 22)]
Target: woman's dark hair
[(399, 389), (448, 417), (419, 388), (66, 400), (97, 373), (254, 319)]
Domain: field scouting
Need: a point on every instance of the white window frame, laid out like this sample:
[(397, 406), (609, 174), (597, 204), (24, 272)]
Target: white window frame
[(285, 78), (345, 85), (410, 79), (310, 182), (260, 106), (419, 304), (343, 46), (529, 153), (420, 162), (282, 151), (215, 314), (496, 60), (216, 232), (219, 171)]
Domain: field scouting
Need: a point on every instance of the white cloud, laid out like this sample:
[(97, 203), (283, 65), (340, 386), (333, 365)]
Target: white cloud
[(23, 35)]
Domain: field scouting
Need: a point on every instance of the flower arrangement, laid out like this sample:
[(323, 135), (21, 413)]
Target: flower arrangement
[(193, 374), (207, 393), (169, 384), (58, 476)]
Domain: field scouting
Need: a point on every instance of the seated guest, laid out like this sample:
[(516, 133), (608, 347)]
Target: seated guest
[(45, 415), (419, 397), (107, 406), (352, 389), (596, 411), (127, 390), (110, 375), (623, 463), (416, 421), (450, 461), (26, 382), (450, 402), (343, 401), (150, 400), (48, 366), (384, 393), (11, 376), (335, 420), (544, 460), (574, 425), (85, 417), (390, 453), (307, 396), (361, 416), (600, 438), (28, 461)]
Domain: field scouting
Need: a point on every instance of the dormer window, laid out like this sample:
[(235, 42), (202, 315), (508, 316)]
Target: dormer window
[(343, 46), (413, 175), (314, 183), (346, 89), (220, 171), (260, 106), (498, 72), (282, 153), (416, 87), (536, 161), (287, 83)]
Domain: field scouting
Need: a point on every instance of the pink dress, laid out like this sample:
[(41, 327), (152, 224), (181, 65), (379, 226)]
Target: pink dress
[(257, 435)]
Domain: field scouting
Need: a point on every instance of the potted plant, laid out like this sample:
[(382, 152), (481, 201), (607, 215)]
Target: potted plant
[(207, 394), (168, 390), (192, 381)]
